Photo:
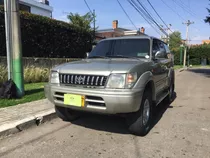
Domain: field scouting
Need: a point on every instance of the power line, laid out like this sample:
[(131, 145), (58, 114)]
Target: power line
[(88, 7), (156, 19), (148, 15), (173, 10), (142, 15), (94, 18), (186, 9), (159, 16), (185, 6), (127, 14), (157, 13)]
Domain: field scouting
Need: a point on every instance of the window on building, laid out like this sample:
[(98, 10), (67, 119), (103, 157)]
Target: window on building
[(1, 2), (25, 8), (21, 7)]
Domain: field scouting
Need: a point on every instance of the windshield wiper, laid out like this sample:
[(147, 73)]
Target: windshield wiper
[(103, 57), (122, 56)]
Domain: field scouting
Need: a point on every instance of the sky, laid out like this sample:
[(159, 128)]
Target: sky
[(171, 11)]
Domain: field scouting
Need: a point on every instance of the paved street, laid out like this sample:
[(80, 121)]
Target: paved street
[(180, 130)]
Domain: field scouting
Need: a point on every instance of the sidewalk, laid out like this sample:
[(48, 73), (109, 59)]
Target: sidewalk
[(16, 118)]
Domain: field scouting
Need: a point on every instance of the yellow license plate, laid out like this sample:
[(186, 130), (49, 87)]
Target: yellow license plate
[(74, 100)]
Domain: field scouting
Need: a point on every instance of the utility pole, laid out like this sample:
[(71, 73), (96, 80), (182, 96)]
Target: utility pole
[(94, 24), (7, 14), (94, 21), (16, 48), (188, 23), (167, 29)]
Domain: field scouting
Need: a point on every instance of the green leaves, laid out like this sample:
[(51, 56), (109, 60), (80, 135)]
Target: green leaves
[(207, 20), (81, 21), (175, 41), (45, 37), (196, 53)]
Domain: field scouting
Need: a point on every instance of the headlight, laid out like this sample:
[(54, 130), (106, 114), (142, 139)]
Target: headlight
[(54, 77), (121, 81)]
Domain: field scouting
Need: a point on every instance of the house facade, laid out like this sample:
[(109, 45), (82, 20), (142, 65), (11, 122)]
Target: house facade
[(39, 7), (116, 31)]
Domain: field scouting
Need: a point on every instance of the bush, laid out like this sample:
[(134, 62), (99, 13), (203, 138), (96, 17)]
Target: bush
[(35, 74), (45, 37), (31, 74), (196, 54), (3, 74), (195, 61)]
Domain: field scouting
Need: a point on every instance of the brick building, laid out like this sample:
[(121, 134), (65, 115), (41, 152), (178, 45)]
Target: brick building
[(116, 31)]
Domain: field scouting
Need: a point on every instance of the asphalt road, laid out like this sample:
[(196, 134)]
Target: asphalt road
[(180, 130)]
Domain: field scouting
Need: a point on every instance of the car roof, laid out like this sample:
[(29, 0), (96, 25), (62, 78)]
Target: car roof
[(132, 37)]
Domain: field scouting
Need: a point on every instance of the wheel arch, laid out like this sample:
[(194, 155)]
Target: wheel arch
[(146, 81), (150, 85)]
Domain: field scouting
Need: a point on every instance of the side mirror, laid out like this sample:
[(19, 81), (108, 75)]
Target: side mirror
[(160, 54)]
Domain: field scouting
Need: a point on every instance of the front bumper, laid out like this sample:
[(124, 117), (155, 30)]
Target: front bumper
[(97, 100)]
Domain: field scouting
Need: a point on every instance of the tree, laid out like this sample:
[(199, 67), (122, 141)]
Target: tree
[(82, 21), (207, 20), (175, 40)]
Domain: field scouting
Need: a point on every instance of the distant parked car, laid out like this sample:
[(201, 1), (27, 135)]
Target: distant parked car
[(125, 75)]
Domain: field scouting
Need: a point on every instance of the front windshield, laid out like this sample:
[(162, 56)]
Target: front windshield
[(122, 47)]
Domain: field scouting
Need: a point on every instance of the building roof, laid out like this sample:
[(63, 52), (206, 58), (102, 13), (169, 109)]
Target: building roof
[(112, 30)]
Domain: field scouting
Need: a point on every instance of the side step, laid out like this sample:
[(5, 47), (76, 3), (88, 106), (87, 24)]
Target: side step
[(161, 97)]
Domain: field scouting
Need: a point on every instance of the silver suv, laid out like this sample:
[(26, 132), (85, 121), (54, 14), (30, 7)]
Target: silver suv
[(124, 75)]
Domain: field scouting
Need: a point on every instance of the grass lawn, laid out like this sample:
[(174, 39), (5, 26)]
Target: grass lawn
[(193, 66), (33, 92), (178, 67)]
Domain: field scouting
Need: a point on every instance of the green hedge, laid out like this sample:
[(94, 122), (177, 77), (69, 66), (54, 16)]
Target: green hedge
[(196, 53), (45, 37)]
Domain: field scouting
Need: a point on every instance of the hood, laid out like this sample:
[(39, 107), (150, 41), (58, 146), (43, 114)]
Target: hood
[(99, 66)]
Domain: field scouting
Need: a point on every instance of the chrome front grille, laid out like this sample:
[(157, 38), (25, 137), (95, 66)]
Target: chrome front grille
[(86, 80)]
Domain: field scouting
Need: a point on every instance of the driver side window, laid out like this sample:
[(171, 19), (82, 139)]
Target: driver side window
[(158, 46), (155, 47)]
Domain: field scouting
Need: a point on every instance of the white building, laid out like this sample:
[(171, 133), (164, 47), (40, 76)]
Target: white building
[(39, 7)]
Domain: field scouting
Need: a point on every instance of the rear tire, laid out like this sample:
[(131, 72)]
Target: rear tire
[(66, 114), (140, 122)]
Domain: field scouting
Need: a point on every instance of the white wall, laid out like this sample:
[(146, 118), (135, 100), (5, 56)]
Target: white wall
[(38, 8), (40, 11)]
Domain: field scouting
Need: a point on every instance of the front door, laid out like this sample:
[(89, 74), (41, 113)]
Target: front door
[(160, 68)]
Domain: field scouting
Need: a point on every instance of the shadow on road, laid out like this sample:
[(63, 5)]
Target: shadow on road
[(116, 124), (201, 71), (161, 109)]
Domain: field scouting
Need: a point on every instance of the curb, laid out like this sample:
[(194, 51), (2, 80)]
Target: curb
[(178, 71), (20, 125)]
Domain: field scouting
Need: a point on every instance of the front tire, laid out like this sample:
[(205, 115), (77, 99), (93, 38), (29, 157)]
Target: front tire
[(66, 114), (140, 122), (170, 96)]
